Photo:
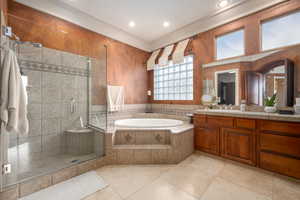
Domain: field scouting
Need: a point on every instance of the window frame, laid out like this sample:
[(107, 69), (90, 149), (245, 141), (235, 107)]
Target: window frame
[(227, 33), (268, 19), (153, 100)]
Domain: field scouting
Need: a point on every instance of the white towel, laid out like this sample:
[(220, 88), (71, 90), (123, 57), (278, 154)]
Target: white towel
[(115, 98), (13, 109)]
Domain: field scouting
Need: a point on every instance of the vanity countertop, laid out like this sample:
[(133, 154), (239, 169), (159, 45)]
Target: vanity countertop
[(250, 114)]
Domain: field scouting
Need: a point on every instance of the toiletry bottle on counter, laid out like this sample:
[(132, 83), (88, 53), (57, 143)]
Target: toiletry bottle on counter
[(297, 106), (243, 106)]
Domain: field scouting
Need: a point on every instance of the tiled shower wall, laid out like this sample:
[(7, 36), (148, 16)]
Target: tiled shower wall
[(54, 78)]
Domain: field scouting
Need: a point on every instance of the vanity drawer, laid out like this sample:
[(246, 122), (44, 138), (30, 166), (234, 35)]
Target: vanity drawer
[(281, 164), (223, 122), (245, 123), (283, 128), (200, 120), (281, 144)]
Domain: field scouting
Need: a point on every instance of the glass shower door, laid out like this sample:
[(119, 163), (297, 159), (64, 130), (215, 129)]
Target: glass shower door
[(97, 104), (97, 109), (9, 159), (8, 145)]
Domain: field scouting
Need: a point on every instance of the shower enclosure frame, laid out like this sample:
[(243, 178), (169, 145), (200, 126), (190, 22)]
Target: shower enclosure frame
[(89, 124)]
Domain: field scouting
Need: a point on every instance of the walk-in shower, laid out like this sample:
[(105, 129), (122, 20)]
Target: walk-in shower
[(66, 112)]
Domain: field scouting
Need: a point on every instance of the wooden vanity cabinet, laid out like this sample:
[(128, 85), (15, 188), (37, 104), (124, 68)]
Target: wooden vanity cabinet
[(229, 137), (207, 136), (279, 147), (207, 140), (271, 145), (238, 144)]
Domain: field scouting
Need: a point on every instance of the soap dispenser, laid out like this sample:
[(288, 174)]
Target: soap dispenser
[(243, 106)]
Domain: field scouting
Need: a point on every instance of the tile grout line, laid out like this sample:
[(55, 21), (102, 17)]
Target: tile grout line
[(147, 184), (240, 185)]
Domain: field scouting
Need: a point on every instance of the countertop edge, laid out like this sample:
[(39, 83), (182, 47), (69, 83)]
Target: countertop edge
[(252, 115)]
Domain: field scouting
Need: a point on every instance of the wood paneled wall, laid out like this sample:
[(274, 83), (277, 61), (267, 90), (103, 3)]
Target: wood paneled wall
[(125, 64), (203, 44)]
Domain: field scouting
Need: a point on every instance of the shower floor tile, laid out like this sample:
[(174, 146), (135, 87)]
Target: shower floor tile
[(37, 164)]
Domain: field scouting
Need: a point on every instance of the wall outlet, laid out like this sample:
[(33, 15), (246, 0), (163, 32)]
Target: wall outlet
[(6, 169)]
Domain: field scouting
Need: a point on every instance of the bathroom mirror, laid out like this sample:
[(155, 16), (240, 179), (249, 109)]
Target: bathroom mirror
[(275, 81), (226, 83), (279, 79), (273, 78)]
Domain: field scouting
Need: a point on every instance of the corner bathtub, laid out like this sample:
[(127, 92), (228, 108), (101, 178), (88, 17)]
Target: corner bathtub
[(148, 123), (151, 140)]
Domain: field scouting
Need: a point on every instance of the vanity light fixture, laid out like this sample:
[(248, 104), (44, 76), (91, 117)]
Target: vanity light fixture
[(223, 3), (166, 24), (131, 24)]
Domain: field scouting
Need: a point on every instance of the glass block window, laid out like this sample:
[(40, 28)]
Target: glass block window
[(175, 81), (281, 31), (230, 45)]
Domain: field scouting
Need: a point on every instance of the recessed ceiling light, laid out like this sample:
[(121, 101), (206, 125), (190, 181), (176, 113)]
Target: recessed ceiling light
[(131, 24), (166, 24), (222, 3)]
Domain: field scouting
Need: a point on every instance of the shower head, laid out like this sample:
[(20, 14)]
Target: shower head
[(38, 45)]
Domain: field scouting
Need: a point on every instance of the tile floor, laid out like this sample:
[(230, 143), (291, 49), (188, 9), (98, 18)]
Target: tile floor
[(201, 177)]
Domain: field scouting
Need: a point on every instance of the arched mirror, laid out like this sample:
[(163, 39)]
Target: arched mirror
[(273, 78)]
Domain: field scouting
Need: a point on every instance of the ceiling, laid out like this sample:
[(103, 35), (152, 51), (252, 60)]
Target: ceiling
[(148, 15), (111, 17)]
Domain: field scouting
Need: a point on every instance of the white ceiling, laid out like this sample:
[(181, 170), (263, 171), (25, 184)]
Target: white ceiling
[(148, 15), (111, 17)]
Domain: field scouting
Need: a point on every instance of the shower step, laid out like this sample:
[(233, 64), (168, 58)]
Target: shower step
[(142, 147)]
